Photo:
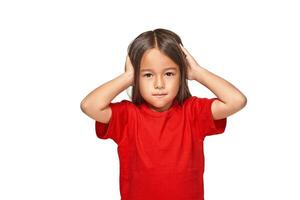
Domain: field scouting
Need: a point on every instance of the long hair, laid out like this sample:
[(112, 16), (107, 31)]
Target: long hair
[(168, 43)]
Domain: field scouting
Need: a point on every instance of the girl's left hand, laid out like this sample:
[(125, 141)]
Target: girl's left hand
[(191, 62)]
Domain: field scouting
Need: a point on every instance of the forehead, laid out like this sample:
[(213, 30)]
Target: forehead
[(154, 60)]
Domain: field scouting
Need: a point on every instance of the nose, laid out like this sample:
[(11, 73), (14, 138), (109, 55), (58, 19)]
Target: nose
[(159, 83)]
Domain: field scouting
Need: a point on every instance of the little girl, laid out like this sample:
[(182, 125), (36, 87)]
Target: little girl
[(160, 132)]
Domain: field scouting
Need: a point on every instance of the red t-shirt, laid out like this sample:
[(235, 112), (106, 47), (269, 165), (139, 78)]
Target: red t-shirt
[(161, 153)]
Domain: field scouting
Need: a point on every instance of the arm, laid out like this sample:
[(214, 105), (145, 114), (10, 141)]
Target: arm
[(102, 96), (231, 100), (96, 103)]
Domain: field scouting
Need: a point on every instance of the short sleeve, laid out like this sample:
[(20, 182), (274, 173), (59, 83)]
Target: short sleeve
[(116, 127), (202, 114)]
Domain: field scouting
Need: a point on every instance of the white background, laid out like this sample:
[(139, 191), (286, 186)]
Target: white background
[(53, 53)]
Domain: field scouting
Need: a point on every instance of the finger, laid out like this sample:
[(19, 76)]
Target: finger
[(184, 50)]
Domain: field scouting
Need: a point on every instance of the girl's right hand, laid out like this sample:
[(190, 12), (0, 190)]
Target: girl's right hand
[(128, 67)]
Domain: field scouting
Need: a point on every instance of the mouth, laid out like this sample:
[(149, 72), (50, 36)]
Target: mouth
[(159, 95)]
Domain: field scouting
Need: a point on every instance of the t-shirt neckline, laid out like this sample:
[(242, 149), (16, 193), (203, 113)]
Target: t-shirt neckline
[(154, 113)]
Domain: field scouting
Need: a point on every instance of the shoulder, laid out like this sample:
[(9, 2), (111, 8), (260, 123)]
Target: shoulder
[(190, 101), (124, 104), (197, 105)]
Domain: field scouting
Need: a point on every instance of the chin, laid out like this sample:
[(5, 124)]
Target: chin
[(160, 103)]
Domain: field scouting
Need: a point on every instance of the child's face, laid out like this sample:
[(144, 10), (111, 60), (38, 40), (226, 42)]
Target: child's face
[(156, 78)]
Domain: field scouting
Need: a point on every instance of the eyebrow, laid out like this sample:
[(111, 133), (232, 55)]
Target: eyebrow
[(174, 68)]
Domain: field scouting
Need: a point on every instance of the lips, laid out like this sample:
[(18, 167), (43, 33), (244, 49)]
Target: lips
[(159, 95)]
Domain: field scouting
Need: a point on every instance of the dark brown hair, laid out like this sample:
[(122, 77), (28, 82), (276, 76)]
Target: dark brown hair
[(168, 43)]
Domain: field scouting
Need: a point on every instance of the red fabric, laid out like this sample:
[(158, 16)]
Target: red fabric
[(161, 153)]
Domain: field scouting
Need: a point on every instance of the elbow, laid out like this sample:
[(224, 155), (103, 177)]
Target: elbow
[(83, 106), (241, 102), (238, 104)]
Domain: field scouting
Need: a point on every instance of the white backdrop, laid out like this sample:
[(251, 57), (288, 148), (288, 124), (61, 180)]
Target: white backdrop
[(53, 53)]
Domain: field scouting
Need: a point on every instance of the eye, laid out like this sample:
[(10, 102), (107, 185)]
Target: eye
[(147, 75), (170, 73)]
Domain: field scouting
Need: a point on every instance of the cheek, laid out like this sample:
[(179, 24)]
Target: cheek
[(176, 84), (142, 83), (144, 86), (176, 80), (145, 82)]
